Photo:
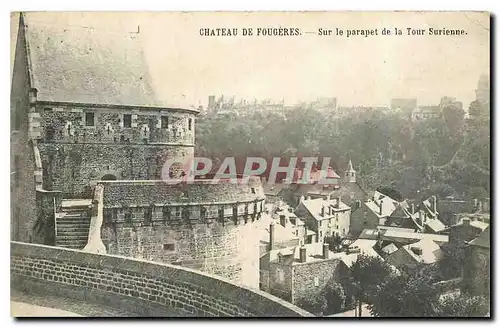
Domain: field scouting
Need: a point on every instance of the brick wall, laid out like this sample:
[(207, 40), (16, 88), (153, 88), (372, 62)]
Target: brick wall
[(106, 278)]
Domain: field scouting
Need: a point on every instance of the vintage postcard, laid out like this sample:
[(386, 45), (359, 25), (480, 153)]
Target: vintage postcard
[(250, 164)]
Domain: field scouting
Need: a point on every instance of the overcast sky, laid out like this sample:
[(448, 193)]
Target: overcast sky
[(358, 71)]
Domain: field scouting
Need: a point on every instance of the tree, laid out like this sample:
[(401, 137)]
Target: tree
[(463, 306), (335, 297), (367, 275), (315, 304), (405, 296)]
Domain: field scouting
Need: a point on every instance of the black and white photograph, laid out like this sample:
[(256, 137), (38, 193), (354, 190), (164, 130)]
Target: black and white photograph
[(317, 165)]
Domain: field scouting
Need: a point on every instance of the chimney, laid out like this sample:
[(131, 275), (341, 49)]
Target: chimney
[(417, 250), (475, 204), (303, 253), (271, 236), (466, 222), (337, 202), (420, 217), (328, 197), (412, 208), (302, 198), (308, 197), (326, 251), (433, 203), (323, 210), (381, 207)]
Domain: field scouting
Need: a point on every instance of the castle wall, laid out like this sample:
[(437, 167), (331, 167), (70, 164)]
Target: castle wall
[(204, 226), (71, 167), (143, 288), (22, 162)]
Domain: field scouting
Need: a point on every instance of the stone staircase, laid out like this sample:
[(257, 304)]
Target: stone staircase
[(72, 224)]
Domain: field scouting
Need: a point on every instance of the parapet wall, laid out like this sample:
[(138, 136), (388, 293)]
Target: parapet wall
[(113, 281), (144, 193)]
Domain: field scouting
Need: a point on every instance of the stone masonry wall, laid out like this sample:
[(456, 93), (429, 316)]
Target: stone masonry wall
[(169, 286), (71, 167), (326, 271)]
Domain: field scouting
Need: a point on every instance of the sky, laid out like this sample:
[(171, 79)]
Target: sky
[(357, 71)]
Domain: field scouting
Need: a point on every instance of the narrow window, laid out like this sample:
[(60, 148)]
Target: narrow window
[(190, 121), (89, 119), (316, 281), (253, 190), (164, 121), (127, 120)]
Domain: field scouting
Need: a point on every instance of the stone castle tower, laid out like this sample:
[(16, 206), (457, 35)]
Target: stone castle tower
[(89, 141)]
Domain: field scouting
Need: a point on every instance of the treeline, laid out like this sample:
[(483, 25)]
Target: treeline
[(449, 155)]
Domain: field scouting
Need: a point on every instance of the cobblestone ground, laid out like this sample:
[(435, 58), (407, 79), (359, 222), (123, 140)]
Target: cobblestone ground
[(29, 305)]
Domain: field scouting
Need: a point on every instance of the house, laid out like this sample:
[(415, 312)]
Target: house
[(272, 191), (449, 209), (465, 230), (276, 236), (477, 268), (297, 273), (326, 217), (348, 188), (371, 213), (400, 236), (425, 251)]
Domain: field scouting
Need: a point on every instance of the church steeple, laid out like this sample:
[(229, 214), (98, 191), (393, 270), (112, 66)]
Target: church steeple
[(350, 173)]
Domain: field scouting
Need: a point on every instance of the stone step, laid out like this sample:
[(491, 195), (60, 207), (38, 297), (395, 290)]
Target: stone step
[(71, 233), (68, 246), (73, 223), (66, 238)]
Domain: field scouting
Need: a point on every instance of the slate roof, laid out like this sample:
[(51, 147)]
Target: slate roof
[(483, 240), (291, 255), (402, 236), (88, 66), (314, 207), (435, 225), (390, 248), (474, 223), (431, 252)]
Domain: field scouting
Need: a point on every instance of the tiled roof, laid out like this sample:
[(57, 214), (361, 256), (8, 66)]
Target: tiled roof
[(84, 65)]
